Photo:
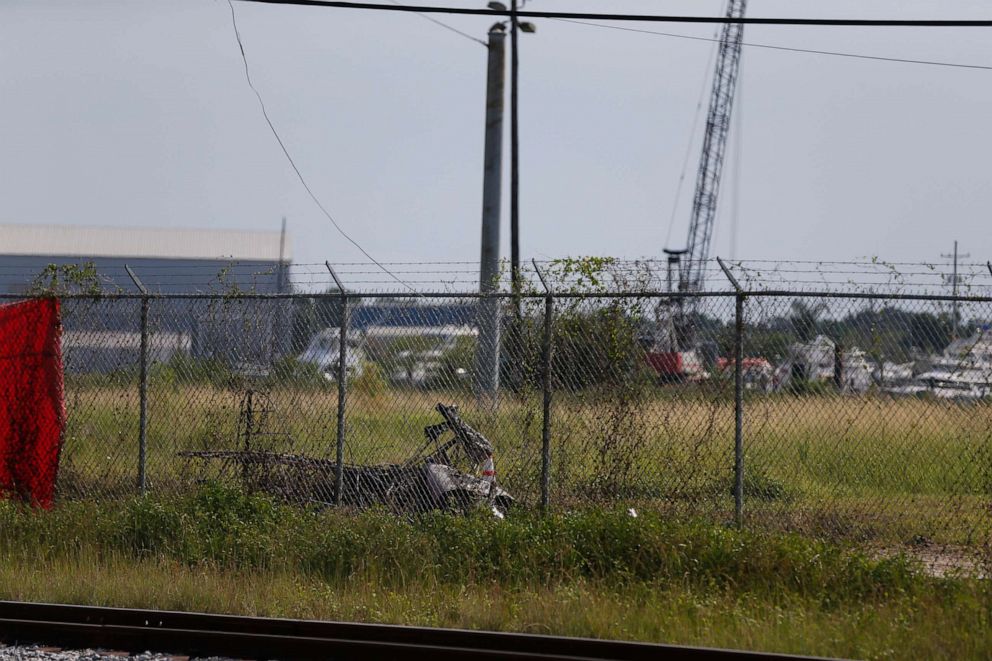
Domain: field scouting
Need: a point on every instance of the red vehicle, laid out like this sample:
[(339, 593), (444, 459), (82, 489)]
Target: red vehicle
[(677, 365)]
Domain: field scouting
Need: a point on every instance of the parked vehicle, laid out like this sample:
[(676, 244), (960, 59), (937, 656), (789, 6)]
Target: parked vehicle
[(756, 374), (963, 371), (323, 351), (667, 355), (422, 356), (820, 360), (950, 378)]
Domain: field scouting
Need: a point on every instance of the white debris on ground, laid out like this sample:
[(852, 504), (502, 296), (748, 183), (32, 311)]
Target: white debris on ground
[(41, 653)]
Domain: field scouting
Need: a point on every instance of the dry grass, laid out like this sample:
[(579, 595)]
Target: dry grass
[(868, 467), (899, 628)]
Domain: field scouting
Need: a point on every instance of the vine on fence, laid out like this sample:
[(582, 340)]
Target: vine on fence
[(599, 360), (62, 279)]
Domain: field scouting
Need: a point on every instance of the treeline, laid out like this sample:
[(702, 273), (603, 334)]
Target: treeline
[(605, 343), (887, 333)]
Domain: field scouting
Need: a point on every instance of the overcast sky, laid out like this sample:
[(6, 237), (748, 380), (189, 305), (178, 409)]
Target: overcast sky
[(136, 112)]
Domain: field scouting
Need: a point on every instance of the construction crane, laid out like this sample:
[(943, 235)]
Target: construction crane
[(728, 61), (672, 355)]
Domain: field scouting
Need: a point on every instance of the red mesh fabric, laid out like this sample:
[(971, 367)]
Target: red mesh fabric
[(32, 408)]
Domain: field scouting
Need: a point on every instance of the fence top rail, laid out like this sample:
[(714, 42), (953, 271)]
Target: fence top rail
[(353, 294), (373, 294), (568, 278)]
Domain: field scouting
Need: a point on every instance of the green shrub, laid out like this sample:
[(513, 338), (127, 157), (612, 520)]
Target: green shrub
[(228, 528), (292, 372), (370, 381), (759, 485), (808, 387), (182, 369), (456, 365)]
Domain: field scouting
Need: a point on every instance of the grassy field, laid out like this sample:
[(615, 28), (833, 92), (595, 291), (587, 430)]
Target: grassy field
[(868, 468), (595, 573), (881, 470)]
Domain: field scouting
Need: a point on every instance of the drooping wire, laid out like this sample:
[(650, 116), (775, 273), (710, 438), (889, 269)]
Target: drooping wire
[(433, 20), (859, 56), (292, 163)]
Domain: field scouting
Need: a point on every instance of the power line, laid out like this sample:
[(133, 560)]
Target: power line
[(650, 18), (446, 26), (299, 175), (785, 48)]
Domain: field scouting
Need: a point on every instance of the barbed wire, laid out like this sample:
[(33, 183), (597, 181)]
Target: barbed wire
[(591, 275)]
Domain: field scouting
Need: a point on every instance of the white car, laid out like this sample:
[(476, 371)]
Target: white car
[(419, 367), (323, 351)]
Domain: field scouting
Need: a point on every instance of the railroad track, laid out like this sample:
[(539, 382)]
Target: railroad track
[(199, 634)]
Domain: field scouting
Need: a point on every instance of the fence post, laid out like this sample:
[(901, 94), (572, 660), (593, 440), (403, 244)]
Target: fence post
[(838, 367), (739, 410), (142, 385), (342, 378), (546, 389), (738, 396)]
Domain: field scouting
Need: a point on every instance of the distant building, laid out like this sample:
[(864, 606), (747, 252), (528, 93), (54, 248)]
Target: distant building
[(102, 336), (166, 260)]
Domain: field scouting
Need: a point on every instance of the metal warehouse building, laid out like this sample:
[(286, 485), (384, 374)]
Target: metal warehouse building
[(104, 334), (166, 260)]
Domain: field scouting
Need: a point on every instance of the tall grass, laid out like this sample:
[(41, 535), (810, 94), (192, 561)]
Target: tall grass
[(225, 528), (900, 627), (866, 467), (592, 573)]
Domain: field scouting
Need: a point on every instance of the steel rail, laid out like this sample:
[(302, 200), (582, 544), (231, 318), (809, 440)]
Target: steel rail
[(135, 630)]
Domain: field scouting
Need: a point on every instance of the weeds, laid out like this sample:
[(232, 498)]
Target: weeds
[(226, 528), (593, 573)]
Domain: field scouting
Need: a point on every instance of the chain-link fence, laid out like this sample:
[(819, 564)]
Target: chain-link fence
[(854, 415)]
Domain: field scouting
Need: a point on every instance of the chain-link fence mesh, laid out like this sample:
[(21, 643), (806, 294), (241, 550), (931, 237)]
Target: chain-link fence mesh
[(869, 419), (865, 418)]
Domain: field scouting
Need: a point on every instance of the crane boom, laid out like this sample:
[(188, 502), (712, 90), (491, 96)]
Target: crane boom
[(674, 354), (721, 105)]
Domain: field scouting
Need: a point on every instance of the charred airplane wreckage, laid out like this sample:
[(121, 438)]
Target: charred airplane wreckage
[(452, 470)]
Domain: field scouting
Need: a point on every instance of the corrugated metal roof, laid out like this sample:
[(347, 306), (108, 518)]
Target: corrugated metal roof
[(89, 241)]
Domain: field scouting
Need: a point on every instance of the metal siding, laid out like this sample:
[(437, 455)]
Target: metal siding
[(173, 276), (214, 330), (144, 242)]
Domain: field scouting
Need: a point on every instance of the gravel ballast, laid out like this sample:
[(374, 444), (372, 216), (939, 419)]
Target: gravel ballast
[(41, 653)]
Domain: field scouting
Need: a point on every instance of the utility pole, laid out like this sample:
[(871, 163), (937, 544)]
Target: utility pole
[(954, 288), (516, 26), (281, 343), (487, 352), (281, 274), (514, 163)]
